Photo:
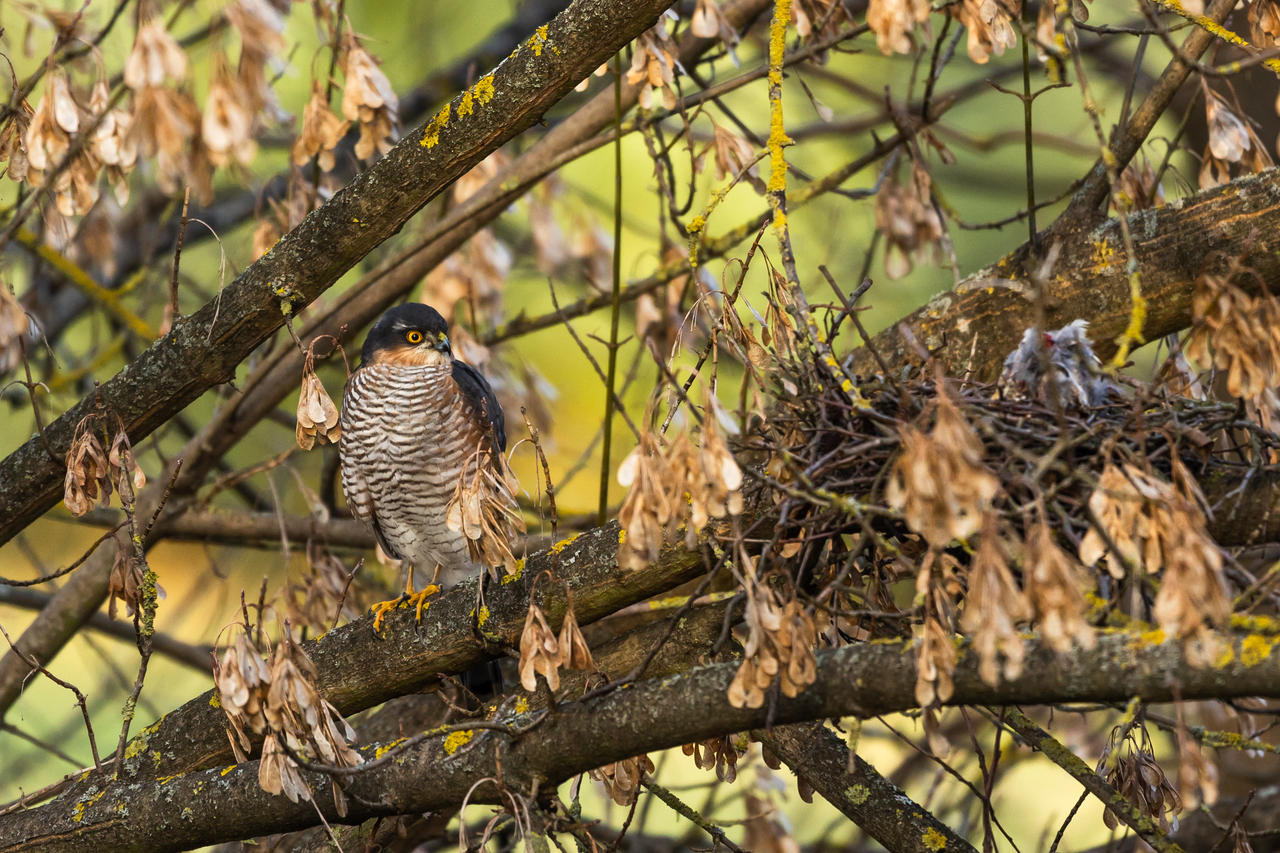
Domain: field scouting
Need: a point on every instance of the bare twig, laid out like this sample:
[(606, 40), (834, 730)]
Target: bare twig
[(1045, 743), (174, 312), (80, 699)]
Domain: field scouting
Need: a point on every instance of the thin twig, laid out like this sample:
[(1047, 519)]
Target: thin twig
[(35, 741), (1045, 743), (70, 568), (685, 811), (546, 472), (144, 616), (615, 307), (174, 312), (618, 407), (80, 700)]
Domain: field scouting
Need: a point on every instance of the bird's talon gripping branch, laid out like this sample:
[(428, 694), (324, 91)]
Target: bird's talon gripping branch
[(382, 608), (419, 600), (416, 600)]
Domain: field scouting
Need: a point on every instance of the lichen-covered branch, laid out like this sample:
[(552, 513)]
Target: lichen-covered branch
[(226, 803), (973, 327), (880, 808), (359, 669), (615, 656), (1203, 828), (1040, 740)]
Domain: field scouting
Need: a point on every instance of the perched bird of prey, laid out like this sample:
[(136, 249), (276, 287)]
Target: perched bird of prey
[(422, 453)]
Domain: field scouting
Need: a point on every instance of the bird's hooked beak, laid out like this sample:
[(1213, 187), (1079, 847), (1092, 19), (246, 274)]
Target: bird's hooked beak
[(432, 342)]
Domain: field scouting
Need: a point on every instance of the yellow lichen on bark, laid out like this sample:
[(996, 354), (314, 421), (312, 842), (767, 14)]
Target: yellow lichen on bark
[(562, 544), (1254, 649), (478, 95), (383, 749), (934, 840), (483, 89), (431, 137), (1137, 321), (1214, 28), (778, 138), (456, 740), (512, 577), (538, 40)]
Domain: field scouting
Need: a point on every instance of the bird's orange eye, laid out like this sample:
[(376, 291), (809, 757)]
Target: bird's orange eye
[(413, 337)]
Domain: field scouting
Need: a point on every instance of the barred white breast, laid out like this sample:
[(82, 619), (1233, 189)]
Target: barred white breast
[(406, 437)]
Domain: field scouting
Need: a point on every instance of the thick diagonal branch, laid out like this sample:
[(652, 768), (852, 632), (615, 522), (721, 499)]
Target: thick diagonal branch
[(1126, 141), (204, 349), (973, 327), (880, 808), (58, 306)]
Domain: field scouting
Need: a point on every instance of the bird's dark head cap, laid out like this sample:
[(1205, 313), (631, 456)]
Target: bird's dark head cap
[(411, 334)]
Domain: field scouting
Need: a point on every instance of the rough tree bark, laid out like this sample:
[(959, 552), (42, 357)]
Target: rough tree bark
[(227, 803), (359, 669), (972, 327), (879, 807)]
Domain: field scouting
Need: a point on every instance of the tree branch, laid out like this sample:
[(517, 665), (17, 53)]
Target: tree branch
[(58, 309), (194, 656), (1203, 828), (973, 327), (863, 679), (1125, 811), (359, 669), (1128, 140), (880, 808), (253, 529)]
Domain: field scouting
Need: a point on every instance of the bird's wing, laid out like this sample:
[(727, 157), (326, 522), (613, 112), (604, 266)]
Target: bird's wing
[(382, 540), (362, 505), (480, 399)]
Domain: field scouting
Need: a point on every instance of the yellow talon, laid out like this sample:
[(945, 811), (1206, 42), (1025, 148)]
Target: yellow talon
[(381, 609), (419, 599)]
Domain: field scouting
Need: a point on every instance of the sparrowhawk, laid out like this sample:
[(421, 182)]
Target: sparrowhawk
[(417, 422)]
